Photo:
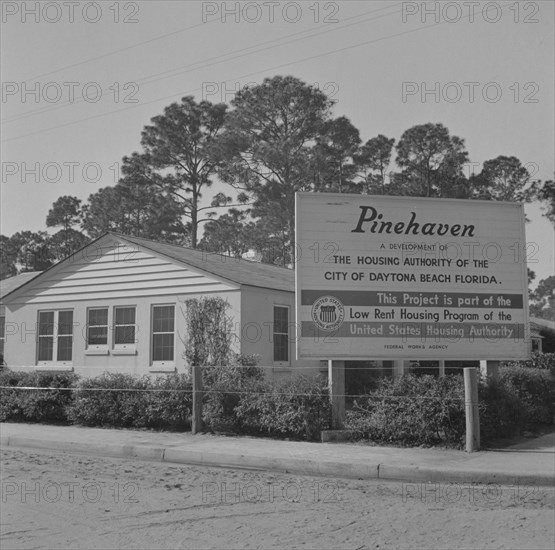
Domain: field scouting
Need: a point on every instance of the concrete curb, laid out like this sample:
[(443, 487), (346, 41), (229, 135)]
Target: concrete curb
[(449, 475), (326, 468)]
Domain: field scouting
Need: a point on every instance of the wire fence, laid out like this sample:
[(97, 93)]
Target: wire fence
[(232, 392), (412, 365)]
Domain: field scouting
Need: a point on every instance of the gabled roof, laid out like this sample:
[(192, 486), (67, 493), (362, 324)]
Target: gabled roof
[(541, 324), (12, 283), (240, 271)]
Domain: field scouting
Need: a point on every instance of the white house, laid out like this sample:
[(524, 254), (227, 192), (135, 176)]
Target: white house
[(118, 305), (7, 286)]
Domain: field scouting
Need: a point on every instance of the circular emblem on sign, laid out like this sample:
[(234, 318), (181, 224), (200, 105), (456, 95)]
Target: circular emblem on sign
[(328, 313)]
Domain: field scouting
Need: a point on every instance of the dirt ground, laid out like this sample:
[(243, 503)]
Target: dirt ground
[(59, 500)]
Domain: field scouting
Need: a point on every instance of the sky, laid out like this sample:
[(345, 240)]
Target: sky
[(81, 79)]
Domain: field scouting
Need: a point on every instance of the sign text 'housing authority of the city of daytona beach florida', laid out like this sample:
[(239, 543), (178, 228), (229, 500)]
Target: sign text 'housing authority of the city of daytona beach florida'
[(405, 277)]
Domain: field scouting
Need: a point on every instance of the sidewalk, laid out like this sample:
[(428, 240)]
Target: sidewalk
[(530, 462)]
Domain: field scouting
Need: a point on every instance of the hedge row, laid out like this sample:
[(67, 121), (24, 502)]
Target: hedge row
[(425, 410), (36, 406), (544, 361), (162, 403), (412, 410), (237, 400), (94, 401)]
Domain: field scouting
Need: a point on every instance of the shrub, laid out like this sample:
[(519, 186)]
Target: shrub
[(169, 406), (412, 410), (225, 386), (535, 388), (93, 407), (298, 408), (127, 401), (208, 331), (501, 411), (522, 396), (247, 359), (537, 361), (36, 405)]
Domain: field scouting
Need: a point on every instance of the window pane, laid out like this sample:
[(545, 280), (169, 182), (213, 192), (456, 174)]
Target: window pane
[(98, 317), (65, 322), (46, 323), (162, 319), (125, 335), (162, 347), (46, 346), (281, 349), (125, 316), (64, 348), (281, 319), (98, 336)]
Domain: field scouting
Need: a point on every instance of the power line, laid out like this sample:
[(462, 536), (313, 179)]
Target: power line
[(214, 60), (172, 96), (113, 52)]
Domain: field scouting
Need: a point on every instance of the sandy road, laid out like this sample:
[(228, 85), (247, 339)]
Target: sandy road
[(60, 500)]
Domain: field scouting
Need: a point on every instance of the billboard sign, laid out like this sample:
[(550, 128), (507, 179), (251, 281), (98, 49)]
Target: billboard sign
[(402, 277)]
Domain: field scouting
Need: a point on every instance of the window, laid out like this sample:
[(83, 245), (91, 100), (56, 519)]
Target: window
[(97, 327), (163, 325), (281, 334), (2, 336), (124, 326), (55, 336)]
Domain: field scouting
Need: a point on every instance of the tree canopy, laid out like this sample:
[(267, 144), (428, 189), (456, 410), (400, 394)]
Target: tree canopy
[(277, 138), (543, 299), (544, 192), (137, 209), (176, 156), (431, 162), (268, 146)]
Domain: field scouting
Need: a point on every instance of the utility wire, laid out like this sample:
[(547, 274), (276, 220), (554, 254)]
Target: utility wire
[(233, 392), (172, 96), (126, 48), (215, 60)]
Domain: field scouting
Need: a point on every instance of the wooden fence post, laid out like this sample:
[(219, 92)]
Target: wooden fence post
[(196, 424), (471, 410), (336, 382)]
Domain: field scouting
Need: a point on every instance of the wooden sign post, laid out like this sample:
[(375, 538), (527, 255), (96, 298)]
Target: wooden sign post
[(471, 410), (336, 381)]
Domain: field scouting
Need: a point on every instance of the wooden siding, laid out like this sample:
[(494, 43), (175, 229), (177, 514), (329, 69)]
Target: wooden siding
[(106, 273)]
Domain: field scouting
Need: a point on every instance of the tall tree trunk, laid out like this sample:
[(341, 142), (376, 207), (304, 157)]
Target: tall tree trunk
[(194, 219)]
